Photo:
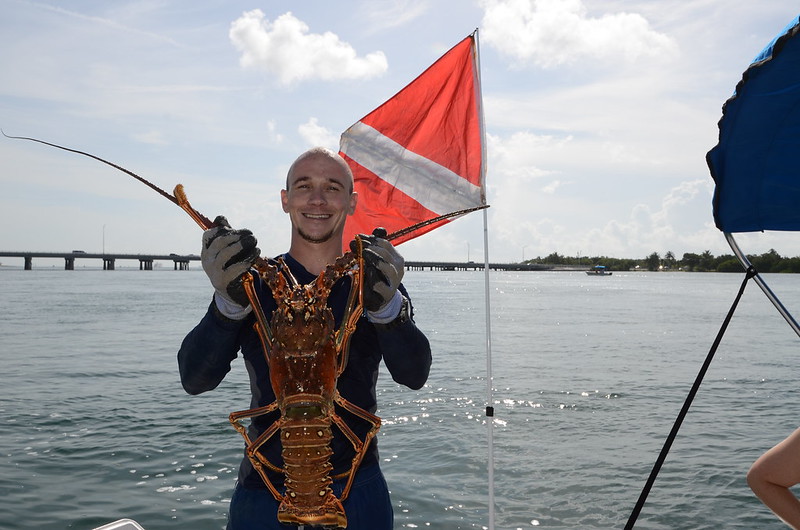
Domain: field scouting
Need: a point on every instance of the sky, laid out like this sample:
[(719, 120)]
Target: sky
[(598, 116)]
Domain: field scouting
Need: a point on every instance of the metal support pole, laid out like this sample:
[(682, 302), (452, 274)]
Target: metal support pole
[(763, 285)]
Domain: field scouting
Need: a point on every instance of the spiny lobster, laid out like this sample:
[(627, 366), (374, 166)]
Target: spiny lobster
[(306, 356)]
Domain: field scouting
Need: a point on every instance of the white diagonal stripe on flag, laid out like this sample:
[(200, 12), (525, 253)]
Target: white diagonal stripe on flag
[(432, 185)]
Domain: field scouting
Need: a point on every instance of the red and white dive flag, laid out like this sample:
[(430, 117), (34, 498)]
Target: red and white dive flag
[(420, 154)]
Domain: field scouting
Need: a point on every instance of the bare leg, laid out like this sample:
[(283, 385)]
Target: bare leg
[(771, 476)]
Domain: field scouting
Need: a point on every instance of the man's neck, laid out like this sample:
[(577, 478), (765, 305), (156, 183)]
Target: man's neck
[(315, 256)]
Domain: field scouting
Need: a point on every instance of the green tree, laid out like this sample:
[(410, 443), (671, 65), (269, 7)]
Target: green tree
[(767, 262), (730, 265), (790, 265), (690, 261), (707, 261), (653, 261)]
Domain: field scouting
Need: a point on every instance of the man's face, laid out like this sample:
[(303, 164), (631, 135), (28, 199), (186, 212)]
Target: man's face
[(318, 198)]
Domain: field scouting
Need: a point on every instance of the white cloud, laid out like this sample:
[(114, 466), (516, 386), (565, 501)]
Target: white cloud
[(316, 135), (386, 14), (551, 188), (111, 23), (679, 196), (151, 137), (549, 33), (286, 49), (672, 227), (520, 156), (272, 132), (547, 206)]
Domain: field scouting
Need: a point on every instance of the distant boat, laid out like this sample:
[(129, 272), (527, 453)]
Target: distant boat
[(599, 270)]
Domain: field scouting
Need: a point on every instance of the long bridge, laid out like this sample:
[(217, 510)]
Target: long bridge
[(109, 260), (181, 261)]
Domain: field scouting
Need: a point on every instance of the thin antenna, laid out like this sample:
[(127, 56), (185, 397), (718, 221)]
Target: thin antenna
[(179, 198)]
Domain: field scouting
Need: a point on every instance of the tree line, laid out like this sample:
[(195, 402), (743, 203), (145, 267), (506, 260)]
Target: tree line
[(706, 262)]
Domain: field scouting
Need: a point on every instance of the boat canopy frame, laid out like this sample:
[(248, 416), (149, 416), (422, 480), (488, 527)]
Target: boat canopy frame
[(762, 284)]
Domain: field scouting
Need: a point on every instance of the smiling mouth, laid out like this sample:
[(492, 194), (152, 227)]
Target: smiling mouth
[(317, 216)]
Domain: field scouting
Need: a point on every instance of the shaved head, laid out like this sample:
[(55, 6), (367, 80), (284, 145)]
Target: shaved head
[(322, 152)]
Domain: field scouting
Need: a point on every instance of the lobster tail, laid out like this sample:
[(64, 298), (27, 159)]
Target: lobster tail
[(306, 453)]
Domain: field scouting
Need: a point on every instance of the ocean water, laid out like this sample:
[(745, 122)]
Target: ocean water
[(589, 376)]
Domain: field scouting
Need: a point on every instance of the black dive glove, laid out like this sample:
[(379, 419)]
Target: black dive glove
[(227, 255), (383, 270)]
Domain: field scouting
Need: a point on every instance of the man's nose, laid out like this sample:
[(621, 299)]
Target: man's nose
[(317, 196)]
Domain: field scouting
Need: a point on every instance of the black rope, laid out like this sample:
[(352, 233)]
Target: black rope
[(751, 272)]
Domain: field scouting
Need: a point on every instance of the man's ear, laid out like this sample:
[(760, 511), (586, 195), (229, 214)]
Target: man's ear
[(353, 202), (284, 200)]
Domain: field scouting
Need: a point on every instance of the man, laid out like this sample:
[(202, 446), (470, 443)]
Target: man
[(318, 198)]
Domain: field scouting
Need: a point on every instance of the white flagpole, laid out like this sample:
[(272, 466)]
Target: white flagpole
[(489, 398)]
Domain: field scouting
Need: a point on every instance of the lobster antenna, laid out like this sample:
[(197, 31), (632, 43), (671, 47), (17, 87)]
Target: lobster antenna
[(415, 227), (179, 198)]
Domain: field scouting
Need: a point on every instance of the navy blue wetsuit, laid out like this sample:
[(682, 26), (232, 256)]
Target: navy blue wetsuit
[(207, 352)]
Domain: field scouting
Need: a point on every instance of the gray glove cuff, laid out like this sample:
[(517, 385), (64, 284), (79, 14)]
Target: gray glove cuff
[(388, 312), (230, 309)]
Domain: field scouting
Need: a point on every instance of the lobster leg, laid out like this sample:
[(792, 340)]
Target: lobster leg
[(252, 446), (359, 445)]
